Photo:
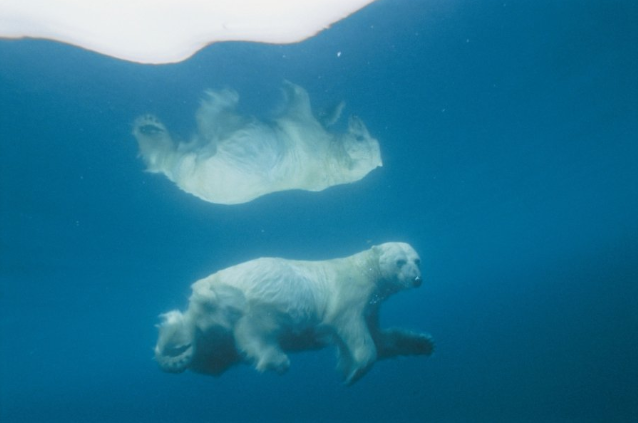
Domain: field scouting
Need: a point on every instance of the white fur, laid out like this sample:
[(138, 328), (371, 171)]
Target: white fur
[(255, 311), (235, 159)]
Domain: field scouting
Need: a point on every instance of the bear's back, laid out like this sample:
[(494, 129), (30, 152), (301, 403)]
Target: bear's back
[(297, 289)]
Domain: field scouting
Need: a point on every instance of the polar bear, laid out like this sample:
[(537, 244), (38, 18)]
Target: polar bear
[(234, 159), (256, 311)]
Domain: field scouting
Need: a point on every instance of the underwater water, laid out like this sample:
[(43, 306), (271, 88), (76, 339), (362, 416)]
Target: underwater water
[(509, 138)]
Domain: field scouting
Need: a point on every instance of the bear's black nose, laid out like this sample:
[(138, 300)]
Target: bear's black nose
[(418, 281)]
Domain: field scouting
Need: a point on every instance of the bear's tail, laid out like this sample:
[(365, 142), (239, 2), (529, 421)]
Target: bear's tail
[(175, 346)]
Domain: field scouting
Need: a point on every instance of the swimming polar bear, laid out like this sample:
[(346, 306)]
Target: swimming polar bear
[(234, 159), (256, 311)]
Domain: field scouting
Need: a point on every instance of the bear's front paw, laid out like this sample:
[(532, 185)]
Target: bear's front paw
[(396, 342), (422, 344)]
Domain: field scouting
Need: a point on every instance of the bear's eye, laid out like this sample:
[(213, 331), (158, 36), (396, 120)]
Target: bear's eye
[(417, 262), (401, 263)]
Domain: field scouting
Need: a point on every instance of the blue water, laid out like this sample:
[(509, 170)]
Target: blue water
[(509, 133)]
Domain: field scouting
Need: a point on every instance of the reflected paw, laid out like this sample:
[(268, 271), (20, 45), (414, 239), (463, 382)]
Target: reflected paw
[(149, 125), (279, 363)]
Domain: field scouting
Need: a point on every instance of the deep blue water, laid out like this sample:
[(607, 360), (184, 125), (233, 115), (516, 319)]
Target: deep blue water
[(509, 133)]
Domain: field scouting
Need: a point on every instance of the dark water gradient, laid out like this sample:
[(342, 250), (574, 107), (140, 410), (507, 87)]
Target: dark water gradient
[(509, 132)]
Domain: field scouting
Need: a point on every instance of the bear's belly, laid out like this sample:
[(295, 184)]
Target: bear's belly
[(311, 338)]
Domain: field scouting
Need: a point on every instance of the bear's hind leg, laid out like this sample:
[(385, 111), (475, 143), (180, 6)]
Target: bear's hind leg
[(256, 337)]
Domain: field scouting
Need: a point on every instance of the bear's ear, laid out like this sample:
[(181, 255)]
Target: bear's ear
[(377, 250), (357, 128)]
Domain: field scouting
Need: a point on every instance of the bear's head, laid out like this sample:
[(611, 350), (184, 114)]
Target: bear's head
[(398, 265), (362, 152)]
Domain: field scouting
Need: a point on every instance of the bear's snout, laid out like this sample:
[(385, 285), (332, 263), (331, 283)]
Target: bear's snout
[(417, 281)]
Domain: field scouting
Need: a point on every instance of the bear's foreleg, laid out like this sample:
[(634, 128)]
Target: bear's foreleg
[(357, 351)]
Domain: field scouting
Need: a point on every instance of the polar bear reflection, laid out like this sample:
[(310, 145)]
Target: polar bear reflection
[(235, 159)]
